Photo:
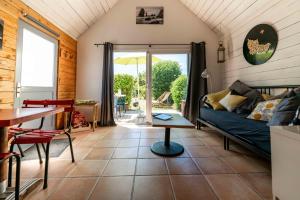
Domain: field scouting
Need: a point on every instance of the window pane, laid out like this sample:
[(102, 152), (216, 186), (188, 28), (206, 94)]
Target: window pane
[(38, 57)]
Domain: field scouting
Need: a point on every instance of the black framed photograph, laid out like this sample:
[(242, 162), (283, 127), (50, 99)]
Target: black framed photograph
[(149, 15), (1, 33), (260, 44)]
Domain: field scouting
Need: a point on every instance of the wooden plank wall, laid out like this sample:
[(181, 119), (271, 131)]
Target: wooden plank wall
[(10, 12), (284, 67), (233, 19)]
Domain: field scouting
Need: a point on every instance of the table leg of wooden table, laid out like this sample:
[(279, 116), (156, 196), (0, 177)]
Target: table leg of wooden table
[(3, 166), (167, 136)]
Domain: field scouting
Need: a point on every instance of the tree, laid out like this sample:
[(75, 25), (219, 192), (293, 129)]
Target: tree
[(164, 73), (125, 83), (179, 89)]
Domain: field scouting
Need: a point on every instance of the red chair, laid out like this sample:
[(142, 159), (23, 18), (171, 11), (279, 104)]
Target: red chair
[(5, 156), (37, 137)]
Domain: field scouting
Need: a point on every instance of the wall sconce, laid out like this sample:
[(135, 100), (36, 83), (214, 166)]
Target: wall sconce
[(221, 53)]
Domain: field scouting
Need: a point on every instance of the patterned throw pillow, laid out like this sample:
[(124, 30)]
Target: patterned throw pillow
[(264, 110)]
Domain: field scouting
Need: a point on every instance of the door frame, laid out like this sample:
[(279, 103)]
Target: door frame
[(21, 25), (149, 52), (149, 74)]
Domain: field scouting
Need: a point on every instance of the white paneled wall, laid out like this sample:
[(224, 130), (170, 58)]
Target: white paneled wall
[(235, 18), (72, 16), (231, 19)]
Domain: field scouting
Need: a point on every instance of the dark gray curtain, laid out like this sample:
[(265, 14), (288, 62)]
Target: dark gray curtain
[(197, 86), (107, 97)]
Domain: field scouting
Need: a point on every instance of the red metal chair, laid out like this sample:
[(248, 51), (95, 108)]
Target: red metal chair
[(37, 137), (5, 156)]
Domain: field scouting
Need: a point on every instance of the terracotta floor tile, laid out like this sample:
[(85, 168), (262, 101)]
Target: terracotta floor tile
[(151, 167), (100, 154), (85, 144), (129, 143), (212, 141), (120, 167), (39, 193), (79, 153), (182, 166), (31, 169), (131, 135), (243, 164), (157, 134), (152, 188), (106, 143), (126, 152), (145, 152), (231, 187), (88, 168), (147, 141), (192, 187), (74, 189), (220, 151), (191, 141), (213, 165), (200, 151), (113, 188), (94, 152), (113, 136), (261, 183), (59, 168)]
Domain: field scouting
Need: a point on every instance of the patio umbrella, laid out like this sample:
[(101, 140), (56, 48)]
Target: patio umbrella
[(135, 60)]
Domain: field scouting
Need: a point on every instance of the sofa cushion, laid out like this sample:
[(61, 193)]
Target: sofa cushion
[(285, 111), (264, 110), (214, 98), (253, 97), (254, 132), (230, 102)]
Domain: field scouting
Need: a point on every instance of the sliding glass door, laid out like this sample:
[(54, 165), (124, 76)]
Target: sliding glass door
[(149, 82)]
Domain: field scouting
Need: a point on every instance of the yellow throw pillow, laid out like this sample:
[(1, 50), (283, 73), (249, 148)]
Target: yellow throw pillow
[(264, 110), (266, 97), (230, 102), (214, 98)]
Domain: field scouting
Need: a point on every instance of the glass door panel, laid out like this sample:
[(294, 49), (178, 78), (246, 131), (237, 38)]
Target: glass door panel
[(130, 87), (169, 82)]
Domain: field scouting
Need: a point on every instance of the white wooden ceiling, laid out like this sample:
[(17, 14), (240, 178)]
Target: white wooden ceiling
[(72, 16), (222, 16)]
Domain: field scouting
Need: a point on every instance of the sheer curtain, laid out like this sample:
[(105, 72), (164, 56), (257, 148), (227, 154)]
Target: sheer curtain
[(107, 98), (197, 86)]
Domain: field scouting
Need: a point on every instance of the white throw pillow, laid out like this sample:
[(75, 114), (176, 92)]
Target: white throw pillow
[(230, 102)]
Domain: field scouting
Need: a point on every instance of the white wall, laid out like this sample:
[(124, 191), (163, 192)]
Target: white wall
[(284, 67), (118, 26)]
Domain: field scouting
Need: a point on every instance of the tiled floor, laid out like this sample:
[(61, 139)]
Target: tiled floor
[(116, 163)]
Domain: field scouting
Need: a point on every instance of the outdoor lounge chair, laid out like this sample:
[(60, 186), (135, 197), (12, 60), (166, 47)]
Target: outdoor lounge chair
[(162, 100)]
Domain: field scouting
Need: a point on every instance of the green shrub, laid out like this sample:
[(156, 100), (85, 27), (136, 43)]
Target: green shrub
[(179, 89), (164, 73), (125, 83)]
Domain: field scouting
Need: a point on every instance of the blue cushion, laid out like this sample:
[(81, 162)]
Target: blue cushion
[(254, 132)]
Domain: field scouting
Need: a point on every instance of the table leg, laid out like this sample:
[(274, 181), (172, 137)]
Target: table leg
[(167, 148), (167, 136), (3, 166)]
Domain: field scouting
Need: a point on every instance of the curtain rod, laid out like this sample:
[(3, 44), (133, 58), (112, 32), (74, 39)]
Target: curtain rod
[(100, 44), (34, 20)]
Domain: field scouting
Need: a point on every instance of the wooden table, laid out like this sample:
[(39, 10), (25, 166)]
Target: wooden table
[(168, 148), (10, 117)]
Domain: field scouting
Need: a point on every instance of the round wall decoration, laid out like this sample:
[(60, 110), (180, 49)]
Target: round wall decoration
[(260, 44)]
